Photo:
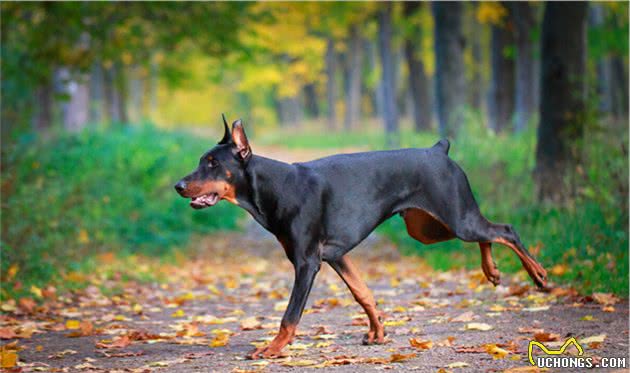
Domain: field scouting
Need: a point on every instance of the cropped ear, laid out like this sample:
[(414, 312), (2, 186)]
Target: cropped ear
[(227, 136), (240, 140)]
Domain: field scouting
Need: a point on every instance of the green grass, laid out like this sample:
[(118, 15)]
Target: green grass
[(585, 243), (73, 196)]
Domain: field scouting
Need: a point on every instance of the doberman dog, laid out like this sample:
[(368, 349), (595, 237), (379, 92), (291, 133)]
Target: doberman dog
[(320, 210)]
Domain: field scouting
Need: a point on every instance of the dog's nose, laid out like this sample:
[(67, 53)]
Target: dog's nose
[(180, 187)]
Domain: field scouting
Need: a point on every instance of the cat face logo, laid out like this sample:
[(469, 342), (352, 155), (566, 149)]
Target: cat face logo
[(567, 343)]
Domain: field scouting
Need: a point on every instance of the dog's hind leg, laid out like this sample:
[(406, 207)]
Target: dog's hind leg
[(505, 235), (350, 275), (487, 263)]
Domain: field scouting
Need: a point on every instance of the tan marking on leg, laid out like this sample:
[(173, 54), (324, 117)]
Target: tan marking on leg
[(364, 297), (487, 263), (533, 268), (425, 227), (274, 349)]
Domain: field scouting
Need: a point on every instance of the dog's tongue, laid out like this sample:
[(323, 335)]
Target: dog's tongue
[(204, 201)]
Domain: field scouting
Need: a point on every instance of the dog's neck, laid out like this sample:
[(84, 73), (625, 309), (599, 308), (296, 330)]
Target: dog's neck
[(256, 196)]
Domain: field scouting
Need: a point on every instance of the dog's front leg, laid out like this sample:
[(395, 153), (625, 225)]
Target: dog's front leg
[(305, 272)]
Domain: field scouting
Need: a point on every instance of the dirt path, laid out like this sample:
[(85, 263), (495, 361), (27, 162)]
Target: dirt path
[(240, 281)]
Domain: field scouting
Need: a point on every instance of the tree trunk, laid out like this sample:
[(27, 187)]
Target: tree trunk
[(136, 95), (450, 83), (353, 78), (501, 100), (523, 19), (476, 29), (331, 84), (310, 100), (96, 93), (620, 80), (43, 118), (418, 82), (390, 112), (290, 111), (77, 109), (563, 97)]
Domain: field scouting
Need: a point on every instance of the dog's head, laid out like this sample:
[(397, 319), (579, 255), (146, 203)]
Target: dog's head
[(220, 170)]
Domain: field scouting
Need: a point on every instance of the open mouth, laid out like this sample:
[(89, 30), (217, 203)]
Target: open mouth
[(204, 201)]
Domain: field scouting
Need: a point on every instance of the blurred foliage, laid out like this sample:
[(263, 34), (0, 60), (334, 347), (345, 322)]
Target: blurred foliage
[(76, 196)]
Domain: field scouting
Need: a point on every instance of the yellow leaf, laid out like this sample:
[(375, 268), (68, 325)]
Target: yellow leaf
[(478, 326), (73, 324), (299, 363), (587, 318), (12, 271), (83, 236), (137, 308), (559, 269), (421, 344), (323, 344), (179, 313), (300, 346), (496, 352), (608, 309), (9, 358), (395, 322), (220, 340), (36, 291)]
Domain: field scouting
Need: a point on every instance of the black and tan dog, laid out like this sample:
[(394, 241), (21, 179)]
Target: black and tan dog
[(320, 210)]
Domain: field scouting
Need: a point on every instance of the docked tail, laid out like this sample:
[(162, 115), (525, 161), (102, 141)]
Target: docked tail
[(443, 145)]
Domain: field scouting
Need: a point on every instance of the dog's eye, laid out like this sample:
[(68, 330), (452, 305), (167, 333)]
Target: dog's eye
[(213, 163)]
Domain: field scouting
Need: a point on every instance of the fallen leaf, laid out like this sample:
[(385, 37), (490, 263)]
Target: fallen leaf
[(179, 313), (597, 340), (457, 364), (496, 351), (587, 318), (85, 329), (478, 326), (299, 363), (8, 358), (401, 357), (605, 299), (536, 309), (395, 322), (464, 317), (251, 323), (421, 344), (73, 324), (220, 340), (119, 342), (546, 337)]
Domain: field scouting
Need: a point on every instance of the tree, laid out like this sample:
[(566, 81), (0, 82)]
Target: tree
[(450, 84), (563, 96), (390, 110), (501, 100), (331, 83), (522, 17), (353, 67), (418, 80)]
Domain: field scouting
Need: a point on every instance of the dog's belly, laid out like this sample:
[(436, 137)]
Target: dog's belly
[(425, 227)]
